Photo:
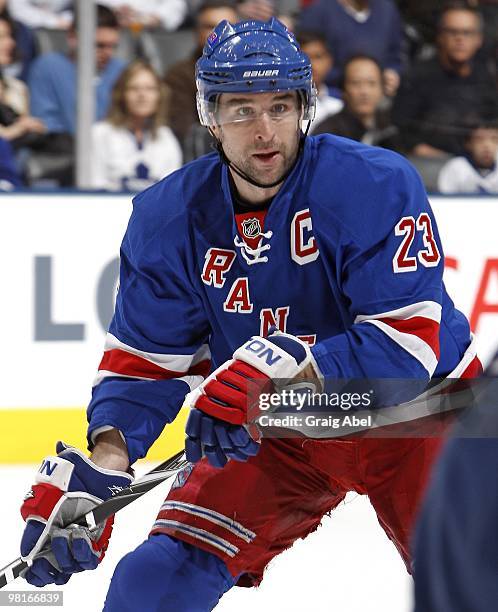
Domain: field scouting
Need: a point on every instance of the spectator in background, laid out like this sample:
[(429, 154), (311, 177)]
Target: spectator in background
[(477, 171), (260, 10), (14, 92), (137, 14), (359, 27), (133, 147), (438, 92), (54, 14), (25, 45), (328, 100), (16, 125), (180, 78), (251, 9), (288, 19), (9, 176), (52, 78), (361, 118)]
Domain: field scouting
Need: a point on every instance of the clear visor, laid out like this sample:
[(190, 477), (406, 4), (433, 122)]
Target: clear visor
[(243, 109)]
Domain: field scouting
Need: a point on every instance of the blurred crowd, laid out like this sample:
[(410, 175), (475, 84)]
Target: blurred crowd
[(415, 76)]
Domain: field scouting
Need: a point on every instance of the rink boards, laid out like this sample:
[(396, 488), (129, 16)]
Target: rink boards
[(59, 255)]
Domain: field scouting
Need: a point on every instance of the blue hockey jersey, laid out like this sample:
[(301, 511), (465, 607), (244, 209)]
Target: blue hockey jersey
[(347, 257)]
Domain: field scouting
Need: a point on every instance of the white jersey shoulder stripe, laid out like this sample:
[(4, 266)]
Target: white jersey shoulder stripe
[(101, 374), (412, 344)]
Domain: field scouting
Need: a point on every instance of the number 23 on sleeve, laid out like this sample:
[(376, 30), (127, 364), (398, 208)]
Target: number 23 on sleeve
[(428, 256)]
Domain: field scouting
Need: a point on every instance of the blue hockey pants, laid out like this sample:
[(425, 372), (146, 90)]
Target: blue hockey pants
[(166, 575)]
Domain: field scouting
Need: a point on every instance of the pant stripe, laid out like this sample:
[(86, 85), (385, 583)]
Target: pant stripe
[(212, 516), (199, 534)]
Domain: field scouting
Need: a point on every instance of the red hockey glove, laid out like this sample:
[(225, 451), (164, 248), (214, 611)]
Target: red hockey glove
[(266, 362), (227, 396)]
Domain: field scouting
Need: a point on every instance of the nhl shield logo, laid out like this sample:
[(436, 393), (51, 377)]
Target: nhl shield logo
[(251, 228)]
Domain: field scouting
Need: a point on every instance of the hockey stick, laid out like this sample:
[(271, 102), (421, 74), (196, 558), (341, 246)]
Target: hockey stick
[(107, 508)]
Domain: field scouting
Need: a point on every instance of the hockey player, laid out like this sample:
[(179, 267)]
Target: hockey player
[(330, 241)]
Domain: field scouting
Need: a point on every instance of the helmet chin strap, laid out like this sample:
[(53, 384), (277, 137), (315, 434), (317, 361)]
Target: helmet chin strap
[(246, 177)]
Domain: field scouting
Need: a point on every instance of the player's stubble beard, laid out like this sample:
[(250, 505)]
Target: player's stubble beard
[(245, 162)]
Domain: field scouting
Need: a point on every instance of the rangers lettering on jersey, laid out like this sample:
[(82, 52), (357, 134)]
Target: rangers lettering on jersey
[(216, 265), (238, 299), (270, 318)]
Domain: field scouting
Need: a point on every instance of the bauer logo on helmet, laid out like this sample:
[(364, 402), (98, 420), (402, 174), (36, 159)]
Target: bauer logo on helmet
[(251, 74)]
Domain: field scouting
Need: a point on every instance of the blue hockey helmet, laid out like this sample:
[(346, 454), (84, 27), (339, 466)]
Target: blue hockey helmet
[(252, 57)]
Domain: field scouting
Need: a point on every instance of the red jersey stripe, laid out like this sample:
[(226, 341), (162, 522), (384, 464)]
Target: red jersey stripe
[(128, 364), (425, 329)]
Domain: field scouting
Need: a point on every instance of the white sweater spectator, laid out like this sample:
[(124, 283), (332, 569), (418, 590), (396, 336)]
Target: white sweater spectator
[(458, 175), (476, 173), (119, 162), (168, 14), (133, 147), (55, 14)]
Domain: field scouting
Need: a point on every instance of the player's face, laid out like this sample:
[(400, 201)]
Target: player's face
[(142, 95), (260, 132), (483, 147)]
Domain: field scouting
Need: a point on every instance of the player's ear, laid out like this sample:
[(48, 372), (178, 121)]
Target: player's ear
[(300, 117), (215, 131), (300, 103)]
